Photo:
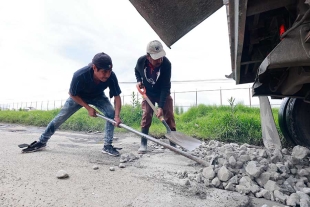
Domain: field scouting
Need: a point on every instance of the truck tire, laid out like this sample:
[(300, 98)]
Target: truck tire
[(298, 121), (282, 121)]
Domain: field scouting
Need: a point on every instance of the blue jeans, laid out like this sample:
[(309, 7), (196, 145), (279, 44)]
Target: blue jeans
[(102, 103)]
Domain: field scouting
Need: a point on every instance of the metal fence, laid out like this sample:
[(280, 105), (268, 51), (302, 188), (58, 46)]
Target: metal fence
[(182, 99)]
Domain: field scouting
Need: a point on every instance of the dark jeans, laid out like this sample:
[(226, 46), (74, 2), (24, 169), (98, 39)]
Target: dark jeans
[(103, 105), (148, 113)]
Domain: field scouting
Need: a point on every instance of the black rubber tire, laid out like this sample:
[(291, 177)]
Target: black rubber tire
[(282, 121), (298, 121)]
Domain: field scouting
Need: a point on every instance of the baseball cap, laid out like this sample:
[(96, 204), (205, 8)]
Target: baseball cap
[(155, 49), (102, 61)]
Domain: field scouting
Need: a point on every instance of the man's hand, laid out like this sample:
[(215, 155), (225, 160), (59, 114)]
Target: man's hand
[(92, 112), (140, 85), (118, 121), (79, 100), (159, 112)]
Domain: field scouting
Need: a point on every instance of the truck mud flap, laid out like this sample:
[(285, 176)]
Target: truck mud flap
[(270, 133)]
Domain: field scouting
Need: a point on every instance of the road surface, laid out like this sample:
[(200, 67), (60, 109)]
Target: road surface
[(30, 179)]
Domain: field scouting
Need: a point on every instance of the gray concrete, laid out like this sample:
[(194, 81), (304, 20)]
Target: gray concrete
[(30, 179)]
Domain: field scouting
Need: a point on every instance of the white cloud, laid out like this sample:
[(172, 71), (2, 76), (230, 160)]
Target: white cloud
[(43, 42)]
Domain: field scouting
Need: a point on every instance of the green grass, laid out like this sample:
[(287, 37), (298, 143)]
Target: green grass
[(240, 124)]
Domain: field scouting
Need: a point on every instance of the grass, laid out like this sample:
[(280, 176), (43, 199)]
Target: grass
[(235, 123)]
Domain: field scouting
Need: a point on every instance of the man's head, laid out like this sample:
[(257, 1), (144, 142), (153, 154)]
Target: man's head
[(102, 66), (155, 53)]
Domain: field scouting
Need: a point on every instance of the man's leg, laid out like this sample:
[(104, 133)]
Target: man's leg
[(169, 116), (104, 105), (67, 110), (145, 124)]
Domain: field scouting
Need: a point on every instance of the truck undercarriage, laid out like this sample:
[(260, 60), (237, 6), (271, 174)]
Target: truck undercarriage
[(269, 44), (275, 55)]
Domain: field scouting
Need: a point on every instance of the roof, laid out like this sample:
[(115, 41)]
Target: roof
[(172, 19)]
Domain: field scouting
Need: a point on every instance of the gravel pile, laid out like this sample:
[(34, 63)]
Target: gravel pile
[(282, 176)]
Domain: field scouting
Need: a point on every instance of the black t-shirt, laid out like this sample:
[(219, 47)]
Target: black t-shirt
[(84, 86)]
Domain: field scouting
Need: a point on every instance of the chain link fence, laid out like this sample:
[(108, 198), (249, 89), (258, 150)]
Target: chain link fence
[(183, 100)]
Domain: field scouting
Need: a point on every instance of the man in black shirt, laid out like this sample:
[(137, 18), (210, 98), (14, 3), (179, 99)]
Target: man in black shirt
[(87, 86), (153, 71)]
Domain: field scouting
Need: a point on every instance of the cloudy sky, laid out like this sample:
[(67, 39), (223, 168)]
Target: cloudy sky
[(43, 42)]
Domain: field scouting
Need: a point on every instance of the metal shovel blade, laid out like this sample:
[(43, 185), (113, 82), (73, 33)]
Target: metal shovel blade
[(177, 138), (183, 140)]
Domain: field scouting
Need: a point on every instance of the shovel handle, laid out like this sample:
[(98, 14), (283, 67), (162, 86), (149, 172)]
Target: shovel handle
[(194, 158), (142, 91)]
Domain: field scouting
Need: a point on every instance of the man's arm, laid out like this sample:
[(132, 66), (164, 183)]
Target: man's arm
[(137, 70), (79, 100), (165, 87), (117, 108), (165, 82)]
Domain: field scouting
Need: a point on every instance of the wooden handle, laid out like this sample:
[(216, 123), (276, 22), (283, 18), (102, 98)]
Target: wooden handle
[(142, 91)]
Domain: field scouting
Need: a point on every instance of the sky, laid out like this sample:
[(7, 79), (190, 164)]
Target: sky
[(43, 42)]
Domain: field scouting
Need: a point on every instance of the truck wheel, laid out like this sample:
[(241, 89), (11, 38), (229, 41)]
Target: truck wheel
[(282, 121), (298, 121)]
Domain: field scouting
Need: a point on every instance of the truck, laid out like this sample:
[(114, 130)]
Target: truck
[(269, 47)]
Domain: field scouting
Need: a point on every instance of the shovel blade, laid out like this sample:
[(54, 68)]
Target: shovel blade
[(183, 140)]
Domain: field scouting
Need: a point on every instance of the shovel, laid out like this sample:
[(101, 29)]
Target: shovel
[(176, 150), (178, 138)]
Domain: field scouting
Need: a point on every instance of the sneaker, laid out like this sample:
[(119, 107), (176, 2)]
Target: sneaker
[(34, 146), (110, 150), (172, 144)]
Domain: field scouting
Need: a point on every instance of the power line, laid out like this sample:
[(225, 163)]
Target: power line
[(184, 81), (129, 82), (207, 80)]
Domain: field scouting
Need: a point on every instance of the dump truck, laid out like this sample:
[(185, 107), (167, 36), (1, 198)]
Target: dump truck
[(269, 46)]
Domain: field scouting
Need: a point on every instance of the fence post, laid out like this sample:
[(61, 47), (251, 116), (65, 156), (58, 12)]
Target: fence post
[(54, 104), (36, 105), (123, 100), (47, 106), (250, 96), (221, 99), (173, 99), (196, 97)]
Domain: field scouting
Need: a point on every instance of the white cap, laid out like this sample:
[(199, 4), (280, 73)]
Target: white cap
[(155, 49)]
